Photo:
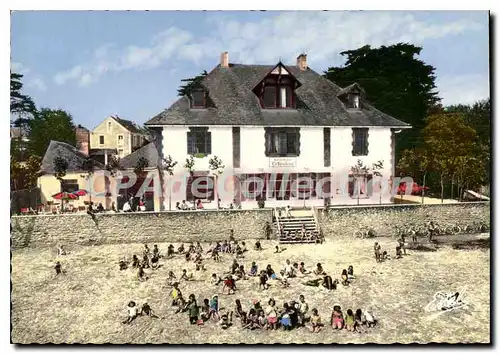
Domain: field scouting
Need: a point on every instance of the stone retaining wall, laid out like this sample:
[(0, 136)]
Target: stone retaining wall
[(342, 221), (144, 227), (206, 226)]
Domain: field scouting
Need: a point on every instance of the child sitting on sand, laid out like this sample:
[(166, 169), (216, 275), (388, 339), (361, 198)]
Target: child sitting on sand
[(205, 310), (181, 304), (135, 261), (272, 315), (133, 311), (234, 267), (215, 280), (258, 246), (345, 278), (230, 284), (270, 272), (399, 253), (370, 319), (253, 270), (285, 320), (359, 319), (263, 280), (171, 279), (170, 251), (185, 276), (350, 324), (252, 320), (350, 273), (316, 323), (226, 320), (175, 293), (261, 320), (337, 320), (319, 270), (240, 273), (181, 250)]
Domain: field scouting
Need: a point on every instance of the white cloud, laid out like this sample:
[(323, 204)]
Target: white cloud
[(463, 89), (30, 79), (74, 73), (323, 35), (37, 83), (19, 68)]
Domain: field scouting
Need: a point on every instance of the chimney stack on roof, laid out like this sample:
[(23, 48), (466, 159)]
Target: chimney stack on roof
[(302, 62), (224, 60)]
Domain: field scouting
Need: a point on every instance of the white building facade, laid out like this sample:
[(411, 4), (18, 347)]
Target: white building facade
[(282, 125)]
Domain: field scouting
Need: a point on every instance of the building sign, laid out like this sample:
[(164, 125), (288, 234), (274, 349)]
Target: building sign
[(282, 161)]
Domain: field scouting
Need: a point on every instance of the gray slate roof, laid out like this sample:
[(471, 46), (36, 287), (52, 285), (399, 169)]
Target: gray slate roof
[(129, 125), (230, 89), (68, 152), (149, 152)]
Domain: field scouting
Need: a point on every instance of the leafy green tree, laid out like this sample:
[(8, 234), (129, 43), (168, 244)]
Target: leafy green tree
[(168, 166), (189, 166), (448, 137), (49, 125), (22, 107), (190, 84), (60, 168), (113, 165), (478, 116), (89, 166), (395, 81), (24, 175), (359, 172), (217, 167), (415, 163)]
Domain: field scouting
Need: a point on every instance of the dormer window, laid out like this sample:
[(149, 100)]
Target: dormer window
[(354, 100), (351, 96), (198, 99), (276, 90)]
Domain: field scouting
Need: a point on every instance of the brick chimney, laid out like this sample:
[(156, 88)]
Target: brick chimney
[(302, 61), (82, 139), (224, 60)]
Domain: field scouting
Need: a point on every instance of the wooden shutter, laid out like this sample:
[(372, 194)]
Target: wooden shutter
[(208, 143), (267, 137), (191, 145), (236, 147), (297, 141), (326, 147)]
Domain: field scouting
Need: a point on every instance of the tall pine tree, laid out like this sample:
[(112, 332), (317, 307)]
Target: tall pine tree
[(190, 84), (395, 81)]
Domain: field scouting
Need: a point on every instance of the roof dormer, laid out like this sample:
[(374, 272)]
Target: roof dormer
[(277, 89), (198, 98), (351, 96)]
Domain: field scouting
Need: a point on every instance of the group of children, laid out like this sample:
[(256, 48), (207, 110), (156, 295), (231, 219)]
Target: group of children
[(150, 259), (292, 314), (381, 256)]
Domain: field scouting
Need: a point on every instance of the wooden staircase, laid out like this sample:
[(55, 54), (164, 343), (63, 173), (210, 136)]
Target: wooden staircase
[(288, 229)]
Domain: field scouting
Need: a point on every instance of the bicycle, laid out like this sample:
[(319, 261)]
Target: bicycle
[(365, 232), (453, 230)]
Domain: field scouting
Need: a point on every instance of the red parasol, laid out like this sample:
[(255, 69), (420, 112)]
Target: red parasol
[(80, 192), (65, 196)]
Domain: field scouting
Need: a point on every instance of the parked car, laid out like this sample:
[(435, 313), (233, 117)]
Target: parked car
[(416, 189)]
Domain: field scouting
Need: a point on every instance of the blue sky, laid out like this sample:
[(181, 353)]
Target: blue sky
[(94, 63)]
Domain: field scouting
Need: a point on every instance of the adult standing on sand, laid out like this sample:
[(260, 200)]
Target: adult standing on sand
[(376, 249)]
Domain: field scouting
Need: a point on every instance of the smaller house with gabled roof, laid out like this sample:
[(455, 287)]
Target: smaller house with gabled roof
[(116, 134), (278, 123)]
